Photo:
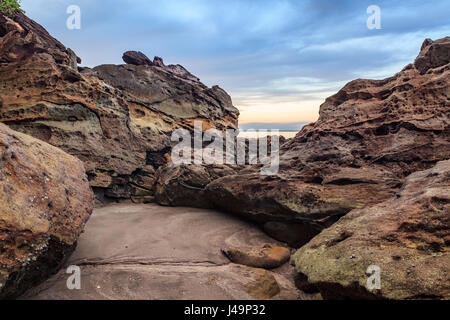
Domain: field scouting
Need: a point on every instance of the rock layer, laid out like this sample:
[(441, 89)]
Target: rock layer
[(45, 201), (116, 119), (407, 237), (184, 185)]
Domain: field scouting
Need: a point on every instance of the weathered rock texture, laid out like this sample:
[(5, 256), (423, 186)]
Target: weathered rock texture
[(116, 119), (433, 54), (45, 201), (408, 237), (185, 185), (370, 136)]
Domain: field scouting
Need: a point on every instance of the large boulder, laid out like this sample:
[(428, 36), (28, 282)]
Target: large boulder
[(407, 237), (137, 58), (307, 207), (183, 185), (116, 119), (45, 201), (433, 54)]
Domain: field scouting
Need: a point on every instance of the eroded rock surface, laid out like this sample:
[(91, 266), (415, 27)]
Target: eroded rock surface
[(126, 254), (45, 201), (370, 136), (407, 237), (116, 119), (184, 185), (433, 54)]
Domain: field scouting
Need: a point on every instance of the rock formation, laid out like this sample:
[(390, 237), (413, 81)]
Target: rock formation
[(268, 256), (407, 237), (116, 119), (370, 136), (375, 161), (45, 201), (433, 54), (184, 185), (136, 58)]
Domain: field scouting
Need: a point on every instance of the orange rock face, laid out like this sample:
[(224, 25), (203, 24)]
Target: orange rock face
[(45, 201), (116, 119), (379, 131)]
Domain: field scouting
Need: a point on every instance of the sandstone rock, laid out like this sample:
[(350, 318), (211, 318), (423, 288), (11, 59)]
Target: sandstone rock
[(45, 201), (159, 62), (184, 185), (181, 71), (262, 285), (116, 119), (376, 131), (407, 237), (159, 99), (370, 136), (7, 25), (267, 257), (307, 208), (22, 38), (433, 54), (136, 58), (168, 282)]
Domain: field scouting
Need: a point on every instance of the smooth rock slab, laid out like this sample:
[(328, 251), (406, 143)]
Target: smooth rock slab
[(152, 252), (167, 282)]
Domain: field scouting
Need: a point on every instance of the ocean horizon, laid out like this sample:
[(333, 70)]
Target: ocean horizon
[(263, 133)]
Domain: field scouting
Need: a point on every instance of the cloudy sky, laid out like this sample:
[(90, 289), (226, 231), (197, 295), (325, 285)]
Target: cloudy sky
[(278, 59)]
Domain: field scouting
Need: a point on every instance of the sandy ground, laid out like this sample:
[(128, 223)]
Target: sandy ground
[(131, 251)]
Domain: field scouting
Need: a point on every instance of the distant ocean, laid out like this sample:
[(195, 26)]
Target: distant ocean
[(256, 134), (255, 129)]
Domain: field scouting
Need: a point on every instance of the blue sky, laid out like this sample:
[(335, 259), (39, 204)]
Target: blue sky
[(278, 59)]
